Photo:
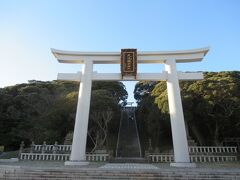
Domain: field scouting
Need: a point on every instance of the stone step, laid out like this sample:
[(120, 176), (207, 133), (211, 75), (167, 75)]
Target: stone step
[(123, 171), (118, 171), (173, 175), (128, 140), (120, 175), (100, 178), (128, 160), (40, 177)]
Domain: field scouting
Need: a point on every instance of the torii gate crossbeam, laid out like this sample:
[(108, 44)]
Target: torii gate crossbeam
[(170, 75)]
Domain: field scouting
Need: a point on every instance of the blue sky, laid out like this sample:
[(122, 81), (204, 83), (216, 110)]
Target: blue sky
[(28, 29)]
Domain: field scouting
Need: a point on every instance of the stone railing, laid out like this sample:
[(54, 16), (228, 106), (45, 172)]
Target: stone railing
[(44, 148), (232, 139), (167, 158), (55, 152), (49, 148), (212, 149), (212, 158), (61, 157), (97, 157), (44, 157), (161, 158), (200, 154)]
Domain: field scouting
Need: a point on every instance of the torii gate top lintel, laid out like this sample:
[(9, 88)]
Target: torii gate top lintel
[(78, 57)]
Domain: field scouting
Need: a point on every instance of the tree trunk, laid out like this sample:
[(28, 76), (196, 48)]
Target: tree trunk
[(197, 134), (216, 134)]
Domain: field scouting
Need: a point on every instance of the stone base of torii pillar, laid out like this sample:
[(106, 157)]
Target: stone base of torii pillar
[(76, 163), (185, 165)]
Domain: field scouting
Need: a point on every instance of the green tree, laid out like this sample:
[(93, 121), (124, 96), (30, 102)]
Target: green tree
[(210, 105), (25, 108), (103, 106), (153, 125), (220, 103), (104, 116), (116, 89)]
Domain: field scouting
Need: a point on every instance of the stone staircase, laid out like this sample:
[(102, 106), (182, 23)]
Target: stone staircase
[(128, 160), (97, 173), (128, 141)]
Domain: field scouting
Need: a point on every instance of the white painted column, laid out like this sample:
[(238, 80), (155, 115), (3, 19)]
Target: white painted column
[(180, 144), (78, 153)]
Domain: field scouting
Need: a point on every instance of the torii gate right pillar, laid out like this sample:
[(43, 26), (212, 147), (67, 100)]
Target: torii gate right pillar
[(180, 144)]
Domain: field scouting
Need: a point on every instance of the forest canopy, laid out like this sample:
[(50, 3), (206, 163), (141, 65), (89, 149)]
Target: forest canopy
[(45, 111), (211, 109)]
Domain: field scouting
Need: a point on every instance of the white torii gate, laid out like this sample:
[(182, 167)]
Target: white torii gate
[(170, 75)]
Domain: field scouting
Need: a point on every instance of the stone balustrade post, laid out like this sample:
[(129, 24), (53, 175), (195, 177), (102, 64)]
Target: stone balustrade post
[(55, 147), (43, 149), (32, 147), (22, 145)]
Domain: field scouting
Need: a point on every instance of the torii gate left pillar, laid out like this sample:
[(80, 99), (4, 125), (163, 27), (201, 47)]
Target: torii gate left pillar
[(170, 58), (78, 156)]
